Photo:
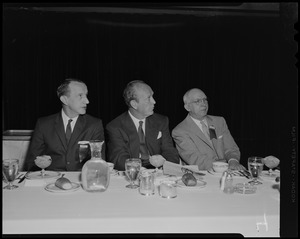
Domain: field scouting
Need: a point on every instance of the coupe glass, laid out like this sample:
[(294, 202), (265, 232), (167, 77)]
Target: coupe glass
[(271, 162), (255, 167), (43, 162), (132, 169), (10, 169)]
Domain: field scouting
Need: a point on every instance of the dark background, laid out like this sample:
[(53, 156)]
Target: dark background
[(245, 64)]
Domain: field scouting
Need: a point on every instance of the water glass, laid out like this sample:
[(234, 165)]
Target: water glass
[(147, 186), (168, 189), (255, 167), (10, 169)]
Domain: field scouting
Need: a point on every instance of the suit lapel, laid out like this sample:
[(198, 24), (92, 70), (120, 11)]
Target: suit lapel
[(197, 131), (151, 134), (59, 128), (133, 136), (210, 123)]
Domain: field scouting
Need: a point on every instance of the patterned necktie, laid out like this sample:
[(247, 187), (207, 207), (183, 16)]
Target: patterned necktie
[(143, 148), (205, 130), (68, 131)]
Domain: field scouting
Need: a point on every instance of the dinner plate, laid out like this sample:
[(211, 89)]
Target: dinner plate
[(52, 188), (200, 184), (38, 175)]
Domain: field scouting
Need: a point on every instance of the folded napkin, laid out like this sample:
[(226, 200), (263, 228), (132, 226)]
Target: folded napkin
[(175, 169)]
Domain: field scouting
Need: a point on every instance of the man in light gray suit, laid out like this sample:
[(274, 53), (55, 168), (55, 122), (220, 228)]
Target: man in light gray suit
[(202, 139)]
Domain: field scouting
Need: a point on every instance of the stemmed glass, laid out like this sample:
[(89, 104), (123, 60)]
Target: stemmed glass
[(255, 167), (132, 169), (157, 161), (10, 169), (43, 162), (271, 162)]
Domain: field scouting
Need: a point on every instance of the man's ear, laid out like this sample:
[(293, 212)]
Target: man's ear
[(63, 99), (187, 107), (133, 104)]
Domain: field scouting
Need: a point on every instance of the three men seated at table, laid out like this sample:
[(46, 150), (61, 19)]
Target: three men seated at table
[(139, 132)]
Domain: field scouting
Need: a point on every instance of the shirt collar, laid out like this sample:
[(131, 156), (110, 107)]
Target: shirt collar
[(136, 121), (198, 121), (66, 119)]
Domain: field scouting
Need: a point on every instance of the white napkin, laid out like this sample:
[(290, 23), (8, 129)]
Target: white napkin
[(175, 169)]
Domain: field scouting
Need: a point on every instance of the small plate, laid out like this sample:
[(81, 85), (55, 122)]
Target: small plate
[(52, 188), (200, 184), (211, 171), (266, 175), (235, 173), (38, 175)]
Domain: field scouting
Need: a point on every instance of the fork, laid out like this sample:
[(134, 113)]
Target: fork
[(20, 176)]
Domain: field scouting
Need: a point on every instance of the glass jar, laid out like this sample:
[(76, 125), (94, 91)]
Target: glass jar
[(95, 175)]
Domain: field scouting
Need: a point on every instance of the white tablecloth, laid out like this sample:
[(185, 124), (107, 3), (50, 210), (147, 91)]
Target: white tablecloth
[(33, 210)]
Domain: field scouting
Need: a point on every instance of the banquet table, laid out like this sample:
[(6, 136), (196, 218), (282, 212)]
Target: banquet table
[(30, 209)]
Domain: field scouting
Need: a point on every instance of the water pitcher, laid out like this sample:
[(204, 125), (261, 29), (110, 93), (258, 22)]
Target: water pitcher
[(95, 174)]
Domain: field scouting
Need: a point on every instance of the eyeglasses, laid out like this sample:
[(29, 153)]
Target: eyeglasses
[(204, 100)]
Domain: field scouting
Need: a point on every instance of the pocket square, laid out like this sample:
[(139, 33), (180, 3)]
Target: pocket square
[(221, 136), (212, 133), (159, 135)]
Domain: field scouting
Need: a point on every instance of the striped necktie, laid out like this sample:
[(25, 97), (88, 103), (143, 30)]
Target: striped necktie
[(205, 130)]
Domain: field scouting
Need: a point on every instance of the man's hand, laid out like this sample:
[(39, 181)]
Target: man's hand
[(235, 165), (157, 160)]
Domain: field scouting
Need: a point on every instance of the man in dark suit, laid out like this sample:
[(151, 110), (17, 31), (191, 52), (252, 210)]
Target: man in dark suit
[(202, 139), (139, 132), (57, 135)]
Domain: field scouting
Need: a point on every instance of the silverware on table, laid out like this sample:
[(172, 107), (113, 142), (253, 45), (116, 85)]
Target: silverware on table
[(22, 179)]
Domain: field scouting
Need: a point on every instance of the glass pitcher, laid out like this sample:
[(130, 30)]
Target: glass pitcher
[(95, 174)]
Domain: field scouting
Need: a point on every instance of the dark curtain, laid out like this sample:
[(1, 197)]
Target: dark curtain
[(239, 62)]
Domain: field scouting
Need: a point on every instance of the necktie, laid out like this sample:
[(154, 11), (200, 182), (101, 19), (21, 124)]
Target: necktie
[(143, 148), (205, 130), (68, 131)]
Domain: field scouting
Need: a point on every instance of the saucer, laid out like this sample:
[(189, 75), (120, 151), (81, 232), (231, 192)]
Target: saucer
[(52, 188), (38, 175), (211, 171), (200, 184)]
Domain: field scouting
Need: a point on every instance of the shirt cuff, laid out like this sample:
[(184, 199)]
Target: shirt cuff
[(233, 159)]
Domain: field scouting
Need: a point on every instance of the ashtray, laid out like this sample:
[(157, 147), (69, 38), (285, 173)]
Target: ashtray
[(245, 188)]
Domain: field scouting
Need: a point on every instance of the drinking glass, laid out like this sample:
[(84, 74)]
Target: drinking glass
[(271, 162), (132, 169), (84, 151), (255, 167), (10, 169), (43, 162)]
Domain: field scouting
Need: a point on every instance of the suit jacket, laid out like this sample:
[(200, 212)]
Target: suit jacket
[(49, 139), (194, 148), (123, 140)]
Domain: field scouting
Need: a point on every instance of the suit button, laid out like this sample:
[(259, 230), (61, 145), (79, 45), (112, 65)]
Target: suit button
[(68, 162)]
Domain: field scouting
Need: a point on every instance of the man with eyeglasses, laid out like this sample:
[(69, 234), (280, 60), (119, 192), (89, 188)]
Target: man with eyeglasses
[(202, 139)]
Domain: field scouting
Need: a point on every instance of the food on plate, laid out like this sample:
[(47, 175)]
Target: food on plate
[(63, 183), (189, 180)]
